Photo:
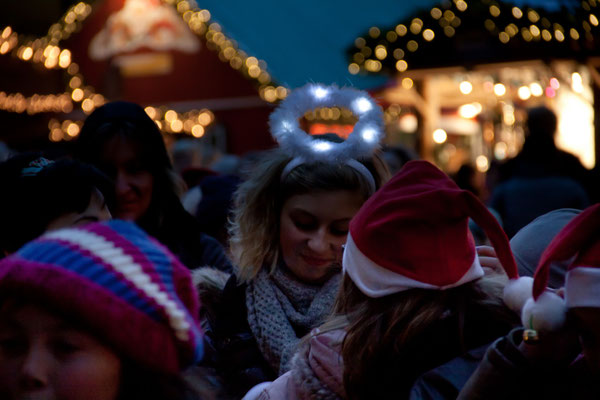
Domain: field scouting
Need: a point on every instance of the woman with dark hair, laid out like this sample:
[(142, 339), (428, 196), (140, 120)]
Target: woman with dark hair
[(123, 141), (99, 312), (42, 194)]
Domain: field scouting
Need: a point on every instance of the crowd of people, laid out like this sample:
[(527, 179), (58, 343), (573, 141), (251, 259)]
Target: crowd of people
[(332, 275)]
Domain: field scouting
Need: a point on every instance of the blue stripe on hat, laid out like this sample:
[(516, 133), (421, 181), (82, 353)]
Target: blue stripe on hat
[(58, 254)]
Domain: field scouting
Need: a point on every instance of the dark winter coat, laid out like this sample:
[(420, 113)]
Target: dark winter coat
[(505, 373)]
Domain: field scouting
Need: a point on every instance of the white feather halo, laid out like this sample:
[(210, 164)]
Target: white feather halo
[(364, 139)]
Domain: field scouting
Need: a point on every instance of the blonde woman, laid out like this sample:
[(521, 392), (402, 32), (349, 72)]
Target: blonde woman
[(289, 224)]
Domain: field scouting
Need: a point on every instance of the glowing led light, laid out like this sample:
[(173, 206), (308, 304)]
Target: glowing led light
[(482, 163), (362, 105), (27, 53), (499, 89), (320, 93), (465, 87), (577, 82), (197, 131), (440, 136), (554, 83), (176, 125), (524, 93), (550, 92), (401, 65), (170, 116), (407, 83), (77, 94), (517, 13), (428, 35), (73, 129), (151, 111), (321, 146), (536, 89), (500, 150), (470, 110), (369, 134)]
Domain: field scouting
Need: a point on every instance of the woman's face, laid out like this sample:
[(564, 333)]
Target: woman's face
[(133, 182), (313, 229), (43, 357), (95, 211)]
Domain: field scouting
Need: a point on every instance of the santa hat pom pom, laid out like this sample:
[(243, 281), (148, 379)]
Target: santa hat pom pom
[(547, 313), (517, 292)]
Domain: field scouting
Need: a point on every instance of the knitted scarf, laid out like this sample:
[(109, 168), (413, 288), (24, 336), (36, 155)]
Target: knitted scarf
[(281, 310)]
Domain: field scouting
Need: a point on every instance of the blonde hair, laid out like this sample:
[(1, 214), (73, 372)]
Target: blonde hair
[(380, 330), (254, 226)]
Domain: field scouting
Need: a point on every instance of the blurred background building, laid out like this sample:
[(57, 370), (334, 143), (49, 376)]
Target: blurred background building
[(453, 76)]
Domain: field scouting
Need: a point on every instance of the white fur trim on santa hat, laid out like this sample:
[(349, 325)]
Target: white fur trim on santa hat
[(547, 313), (517, 292), (582, 287), (376, 281)]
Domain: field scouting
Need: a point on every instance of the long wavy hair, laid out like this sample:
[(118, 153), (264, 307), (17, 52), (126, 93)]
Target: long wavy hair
[(254, 226), (391, 340)]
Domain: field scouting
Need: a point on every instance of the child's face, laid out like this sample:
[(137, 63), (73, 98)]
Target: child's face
[(587, 324), (43, 357)]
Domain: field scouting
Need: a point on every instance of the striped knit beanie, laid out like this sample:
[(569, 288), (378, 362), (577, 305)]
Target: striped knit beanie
[(127, 288)]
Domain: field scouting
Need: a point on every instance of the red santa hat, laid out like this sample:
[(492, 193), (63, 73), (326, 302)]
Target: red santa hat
[(413, 233), (546, 311)]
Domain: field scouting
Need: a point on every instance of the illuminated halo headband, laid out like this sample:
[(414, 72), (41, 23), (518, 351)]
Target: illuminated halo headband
[(294, 141)]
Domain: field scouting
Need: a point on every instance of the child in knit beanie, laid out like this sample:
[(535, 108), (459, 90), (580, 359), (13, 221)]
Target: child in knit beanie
[(99, 312)]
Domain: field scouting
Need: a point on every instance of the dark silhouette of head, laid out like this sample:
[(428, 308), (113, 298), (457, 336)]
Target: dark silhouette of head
[(541, 122)]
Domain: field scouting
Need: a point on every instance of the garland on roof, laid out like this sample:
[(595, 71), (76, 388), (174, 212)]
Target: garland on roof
[(433, 38), (47, 52)]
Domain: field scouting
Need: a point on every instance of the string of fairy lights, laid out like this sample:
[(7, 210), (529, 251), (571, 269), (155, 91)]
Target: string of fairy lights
[(46, 51), (505, 22)]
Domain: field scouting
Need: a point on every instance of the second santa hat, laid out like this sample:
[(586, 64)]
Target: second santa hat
[(413, 233)]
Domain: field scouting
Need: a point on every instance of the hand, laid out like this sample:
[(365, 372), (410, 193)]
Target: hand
[(489, 261)]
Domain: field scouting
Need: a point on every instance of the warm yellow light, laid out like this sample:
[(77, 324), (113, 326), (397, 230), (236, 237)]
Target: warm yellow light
[(482, 163), (380, 52), (73, 129), (500, 150), (465, 87), (281, 92), (470, 110), (254, 71), (198, 131), (533, 16), (499, 89), (428, 35), (504, 37), (151, 111), (535, 31), (517, 13), (204, 118), (577, 82), (270, 94), (536, 89), (250, 61), (391, 36), (159, 124), (440, 136), (6, 32), (449, 31), (524, 93), (27, 53), (170, 116), (407, 83), (559, 35), (494, 11), (461, 5), (573, 32), (4, 47), (398, 54), (176, 125), (401, 65), (64, 59), (56, 134), (412, 45), (436, 13), (77, 94), (546, 35), (374, 32), (87, 105), (593, 20), (75, 82), (353, 68), (401, 30)]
